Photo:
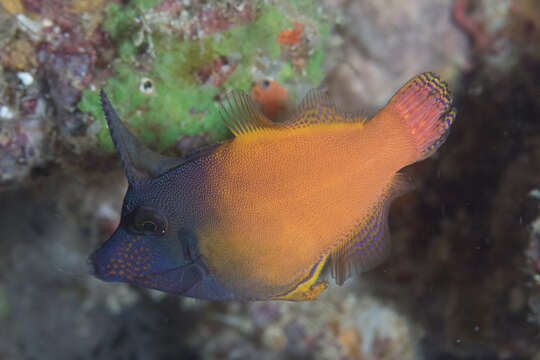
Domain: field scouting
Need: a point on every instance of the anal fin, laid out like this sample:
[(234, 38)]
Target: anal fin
[(309, 287), (368, 243)]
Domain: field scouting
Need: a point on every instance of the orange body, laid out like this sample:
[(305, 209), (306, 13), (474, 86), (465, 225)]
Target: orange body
[(286, 198)]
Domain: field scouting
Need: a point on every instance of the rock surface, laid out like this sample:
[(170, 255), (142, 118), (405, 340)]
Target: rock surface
[(463, 280)]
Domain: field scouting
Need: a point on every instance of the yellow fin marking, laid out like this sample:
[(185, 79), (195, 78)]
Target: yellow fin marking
[(309, 289)]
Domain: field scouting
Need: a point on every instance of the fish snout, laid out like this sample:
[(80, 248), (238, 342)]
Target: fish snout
[(98, 269)]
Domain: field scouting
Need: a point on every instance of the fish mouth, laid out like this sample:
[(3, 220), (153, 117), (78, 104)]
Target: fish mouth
[(184, 276)]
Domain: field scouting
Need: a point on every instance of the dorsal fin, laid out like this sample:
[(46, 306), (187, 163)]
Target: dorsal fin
[(368, 242), (317, 108), (138, 161), (242, 115)]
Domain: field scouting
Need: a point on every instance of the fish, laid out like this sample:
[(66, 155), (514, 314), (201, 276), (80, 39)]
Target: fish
[(280, 209)]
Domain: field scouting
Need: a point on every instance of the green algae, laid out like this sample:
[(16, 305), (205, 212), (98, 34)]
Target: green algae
[(179, 104)]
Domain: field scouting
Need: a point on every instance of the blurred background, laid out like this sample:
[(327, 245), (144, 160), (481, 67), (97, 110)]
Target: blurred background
[(463, 280)]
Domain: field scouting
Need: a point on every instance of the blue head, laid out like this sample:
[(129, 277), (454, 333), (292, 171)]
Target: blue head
[(151, 247)]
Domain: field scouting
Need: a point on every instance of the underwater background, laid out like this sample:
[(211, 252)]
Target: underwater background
[(463, 279)]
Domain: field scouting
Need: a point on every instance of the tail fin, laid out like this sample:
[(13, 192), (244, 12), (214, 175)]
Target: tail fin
[(426, 106)]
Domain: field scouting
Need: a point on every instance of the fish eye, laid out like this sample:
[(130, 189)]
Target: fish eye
[(147, 225), (144, 220)]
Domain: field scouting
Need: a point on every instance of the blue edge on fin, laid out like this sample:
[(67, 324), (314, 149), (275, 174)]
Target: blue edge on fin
[(368, 243)]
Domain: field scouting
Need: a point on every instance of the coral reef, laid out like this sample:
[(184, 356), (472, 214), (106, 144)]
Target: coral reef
[(386, 43), (342, 324), (166, 65), (47, 57), (463, 280), (177, 59)]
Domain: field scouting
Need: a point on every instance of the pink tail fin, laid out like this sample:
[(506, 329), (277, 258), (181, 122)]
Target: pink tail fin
[(426, 106)]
